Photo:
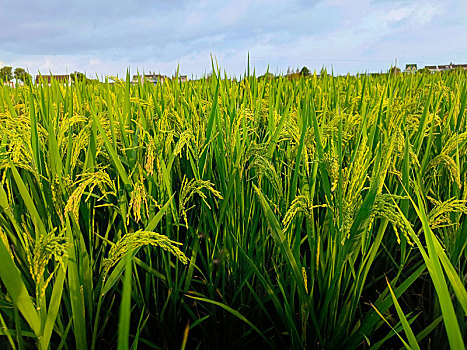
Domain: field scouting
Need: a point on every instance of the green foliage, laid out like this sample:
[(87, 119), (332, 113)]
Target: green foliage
[(21, 74), (305, 71), (6, 74), (394, 70), (78, 77), (320, 212), (423, 70), (268, 75)]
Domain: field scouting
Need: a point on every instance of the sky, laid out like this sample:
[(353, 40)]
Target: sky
[(108, 37)]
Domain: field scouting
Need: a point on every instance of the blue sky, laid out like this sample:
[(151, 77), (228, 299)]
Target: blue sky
[(107, 37)]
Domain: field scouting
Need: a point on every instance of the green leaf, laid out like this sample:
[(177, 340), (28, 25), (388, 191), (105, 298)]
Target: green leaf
[(235, 313), (76, 297), (11, 278), (408, 331), (125, 306)]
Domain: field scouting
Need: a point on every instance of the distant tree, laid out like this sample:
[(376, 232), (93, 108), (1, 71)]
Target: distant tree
[(394, 70), (288, 70), (92, 81), (21, 74), (6, 74), (305, 71), (423, 70), (77, 76), (266, 76)]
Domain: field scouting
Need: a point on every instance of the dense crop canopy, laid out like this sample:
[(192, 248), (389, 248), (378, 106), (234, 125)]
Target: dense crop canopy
[(322, 212)]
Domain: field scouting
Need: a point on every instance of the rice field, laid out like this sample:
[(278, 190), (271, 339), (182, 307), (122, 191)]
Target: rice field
[(314, 213)]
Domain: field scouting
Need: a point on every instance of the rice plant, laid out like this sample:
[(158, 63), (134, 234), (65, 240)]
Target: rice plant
[(321, 213)]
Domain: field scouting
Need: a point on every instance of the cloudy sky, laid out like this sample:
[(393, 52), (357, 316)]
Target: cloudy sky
[(106, 37)]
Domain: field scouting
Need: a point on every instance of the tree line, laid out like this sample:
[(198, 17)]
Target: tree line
[(7, 74)]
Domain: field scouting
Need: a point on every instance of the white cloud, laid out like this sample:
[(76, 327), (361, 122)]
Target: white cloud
[(426, 12), (399, 14), (95, 61), (234, 11), (420, 14), (106, 37)]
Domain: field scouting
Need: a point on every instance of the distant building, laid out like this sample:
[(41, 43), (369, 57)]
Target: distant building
[(150, 78), (432, 68), (411, 67), (445, 67), (47, 79), (181, 78)]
